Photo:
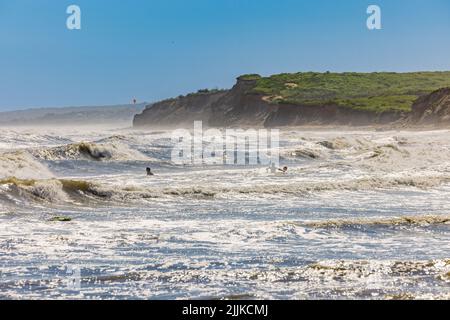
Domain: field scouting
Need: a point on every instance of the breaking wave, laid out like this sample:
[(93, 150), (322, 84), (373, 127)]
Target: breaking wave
[(347, 185), (111, 151), (381, 222), (61, 189), (51, 190), (22, 165), (376, 153)]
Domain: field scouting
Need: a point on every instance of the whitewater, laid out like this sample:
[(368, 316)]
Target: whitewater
[(361, 214)]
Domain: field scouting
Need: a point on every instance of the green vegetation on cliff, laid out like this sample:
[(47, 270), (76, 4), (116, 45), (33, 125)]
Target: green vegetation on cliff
[(376, 92)]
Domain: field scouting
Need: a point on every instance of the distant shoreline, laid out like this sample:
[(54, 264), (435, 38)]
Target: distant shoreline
[(69, 116)]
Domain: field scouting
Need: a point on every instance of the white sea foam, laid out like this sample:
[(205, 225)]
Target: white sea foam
[(360, 214), (22, 165)]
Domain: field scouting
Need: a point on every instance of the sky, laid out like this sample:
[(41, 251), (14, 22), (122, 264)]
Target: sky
[(156, 49)]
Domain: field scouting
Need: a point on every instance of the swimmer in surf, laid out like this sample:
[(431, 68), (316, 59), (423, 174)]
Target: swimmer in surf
[(273, 169), (149, 172), (284, 170)]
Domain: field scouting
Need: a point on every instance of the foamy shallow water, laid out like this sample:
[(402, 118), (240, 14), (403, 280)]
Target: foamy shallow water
[(360, 215)]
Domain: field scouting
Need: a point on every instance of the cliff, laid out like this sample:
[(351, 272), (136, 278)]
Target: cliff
[(244, 106), (310, 99), (180, 111), (432, 109)]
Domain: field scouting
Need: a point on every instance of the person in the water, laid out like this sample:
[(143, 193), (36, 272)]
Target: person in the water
[(149, 172), (273, 169), (284, 170)]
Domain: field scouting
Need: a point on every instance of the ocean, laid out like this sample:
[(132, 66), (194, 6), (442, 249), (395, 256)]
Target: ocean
[(360, 214)]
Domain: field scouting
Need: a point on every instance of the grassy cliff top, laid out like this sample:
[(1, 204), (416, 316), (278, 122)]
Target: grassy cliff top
[(377, 92)]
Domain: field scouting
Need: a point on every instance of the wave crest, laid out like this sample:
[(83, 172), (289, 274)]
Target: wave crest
[(381, 222), (77, 188), (115, 151), (22, 165), (52, 190)]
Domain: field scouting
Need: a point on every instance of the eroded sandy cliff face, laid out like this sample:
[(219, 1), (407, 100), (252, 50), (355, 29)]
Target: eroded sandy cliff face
[(237, 106), (179, 111), (241, 106), (433, 108)]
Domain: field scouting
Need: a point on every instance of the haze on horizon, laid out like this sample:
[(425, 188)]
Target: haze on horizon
[(151, 50)]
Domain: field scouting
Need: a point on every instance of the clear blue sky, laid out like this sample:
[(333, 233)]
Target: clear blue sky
[(154, 49)]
